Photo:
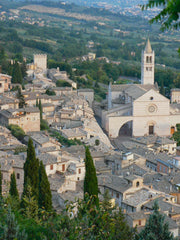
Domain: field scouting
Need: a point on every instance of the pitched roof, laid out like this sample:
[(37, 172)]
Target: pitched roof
[(148, 48)]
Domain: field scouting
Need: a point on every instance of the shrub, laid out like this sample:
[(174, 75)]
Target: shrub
[(17, 131)]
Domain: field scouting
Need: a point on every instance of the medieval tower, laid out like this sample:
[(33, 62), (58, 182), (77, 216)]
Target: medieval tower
[(40, 61), (147, 65)]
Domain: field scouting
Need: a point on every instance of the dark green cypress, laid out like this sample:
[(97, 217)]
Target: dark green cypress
[(45, 197), (13, 187), (31, 170), (156, 227), (90, 180), (16, 73), (0, 182), (21, 98), (23, 69), (37, 104), (40, 109)]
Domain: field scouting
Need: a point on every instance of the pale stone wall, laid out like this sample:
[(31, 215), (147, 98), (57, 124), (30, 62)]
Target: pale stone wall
[(2, 86), (147, 68), (29, 122), (161, 125), (136, 222), (175, 95), (49, 170), (160, 103), (40, 61), (88, 96)]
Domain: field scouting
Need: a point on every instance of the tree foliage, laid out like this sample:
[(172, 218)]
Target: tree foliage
[(11, 229), (90, 180), (21, 98), (45, 197), (156, 228), (17, 131), (31, 171), (16, 73), (168, 15), (0, 182), (13, 187)]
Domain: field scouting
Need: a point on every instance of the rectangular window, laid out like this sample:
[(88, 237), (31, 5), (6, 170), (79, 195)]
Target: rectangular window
[(79, 170), (117, 195), (139, 222), (63, 167), (51, 167), (18, 176)]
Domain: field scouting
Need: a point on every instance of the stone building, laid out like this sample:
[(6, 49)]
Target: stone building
[(40, 61), (26, 118), (5, 82), (139, 109)]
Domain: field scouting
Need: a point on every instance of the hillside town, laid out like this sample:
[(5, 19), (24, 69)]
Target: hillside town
[(129, 136)]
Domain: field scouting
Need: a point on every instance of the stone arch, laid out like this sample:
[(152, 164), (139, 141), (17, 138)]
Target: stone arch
[(126, 129)]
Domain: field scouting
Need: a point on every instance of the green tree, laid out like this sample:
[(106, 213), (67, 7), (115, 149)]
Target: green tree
[(23, 69), (21, 98), (31, 171), (13, 187), (169, 14), (17, 131), (90, 180), (92, 223), (45, 197), (30, 203), (156, 228), (162, 90), (11, 229), (0, 182), (40, 109), (50, 92), (16, 73), (37, 103)]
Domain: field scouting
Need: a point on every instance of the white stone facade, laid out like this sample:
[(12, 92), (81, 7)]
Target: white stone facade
[(40, 61)]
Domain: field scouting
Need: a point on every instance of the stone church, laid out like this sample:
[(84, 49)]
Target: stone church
[(139, 109)]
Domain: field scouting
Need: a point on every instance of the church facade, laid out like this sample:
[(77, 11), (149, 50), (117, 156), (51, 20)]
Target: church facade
[(139, 109)]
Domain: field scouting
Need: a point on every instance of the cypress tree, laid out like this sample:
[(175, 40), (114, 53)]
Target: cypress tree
[(37, 104), (23, 69), (13, 187), (156, 228), (0, 182), (16, 73), (40, 109), (90, 180), (45, 197), (31, 170), (21, 98)]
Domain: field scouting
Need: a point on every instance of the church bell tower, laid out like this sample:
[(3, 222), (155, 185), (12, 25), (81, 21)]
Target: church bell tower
[(147, 65)]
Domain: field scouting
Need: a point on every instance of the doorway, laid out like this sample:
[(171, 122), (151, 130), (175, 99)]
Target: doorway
[(151, 129)]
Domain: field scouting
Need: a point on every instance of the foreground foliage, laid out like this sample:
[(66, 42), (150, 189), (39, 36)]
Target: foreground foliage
[(156, 228)]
